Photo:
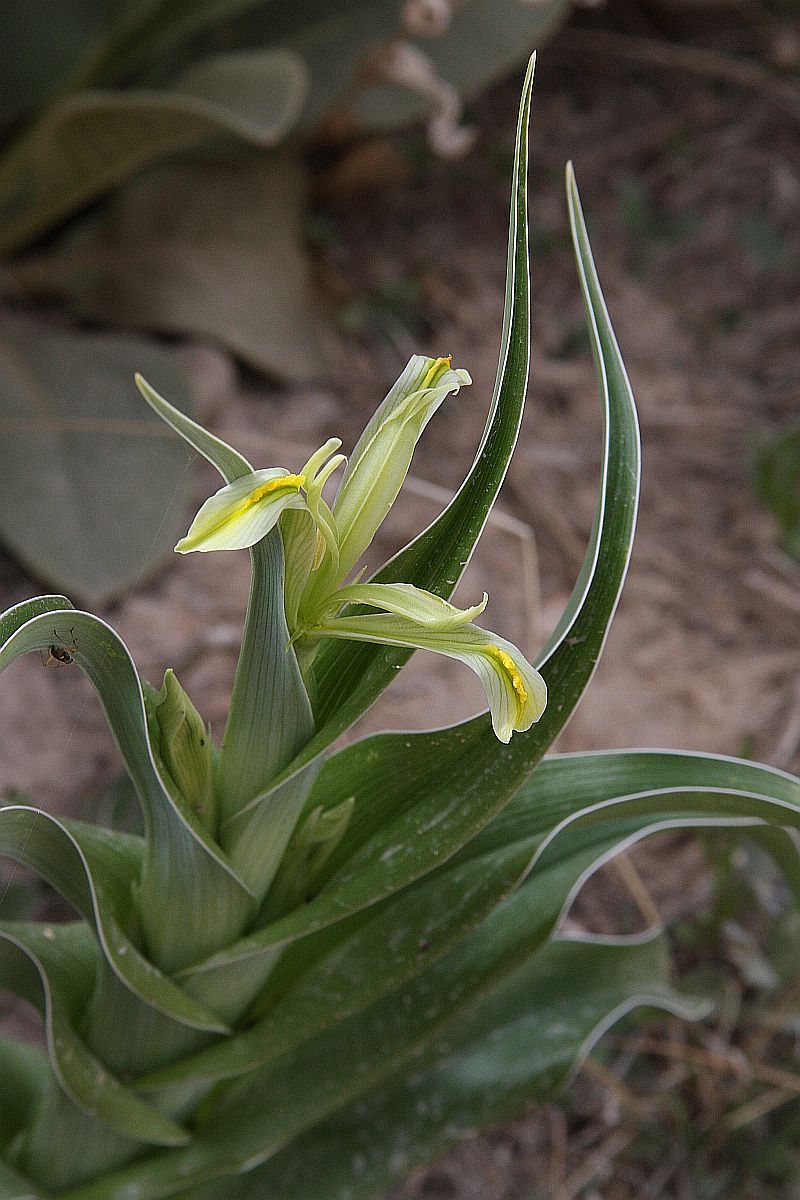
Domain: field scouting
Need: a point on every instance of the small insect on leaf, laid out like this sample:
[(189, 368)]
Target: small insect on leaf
[(60, 653)]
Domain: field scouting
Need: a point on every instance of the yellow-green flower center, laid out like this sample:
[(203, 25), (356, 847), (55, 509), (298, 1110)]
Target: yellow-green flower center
[(435, 370)]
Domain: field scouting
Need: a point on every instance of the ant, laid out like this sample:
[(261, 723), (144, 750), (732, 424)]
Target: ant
[(59, 654)]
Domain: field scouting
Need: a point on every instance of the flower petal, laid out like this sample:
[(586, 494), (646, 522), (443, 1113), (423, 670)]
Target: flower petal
[(405, 600), (243, 512), (382, 456), (515, 691)]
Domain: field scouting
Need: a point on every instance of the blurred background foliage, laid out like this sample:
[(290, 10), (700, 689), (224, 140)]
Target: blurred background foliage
[(152, 180)]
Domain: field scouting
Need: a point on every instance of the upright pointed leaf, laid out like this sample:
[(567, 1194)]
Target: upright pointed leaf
[(348, 680), (464, 775)]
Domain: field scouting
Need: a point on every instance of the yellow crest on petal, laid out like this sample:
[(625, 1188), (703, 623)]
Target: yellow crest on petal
[(512, 670), (290, 482)]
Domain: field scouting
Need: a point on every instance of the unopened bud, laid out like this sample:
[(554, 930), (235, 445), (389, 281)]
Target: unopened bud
[(186, 748)]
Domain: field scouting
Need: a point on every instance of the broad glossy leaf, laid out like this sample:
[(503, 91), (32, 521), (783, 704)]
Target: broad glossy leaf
[(91, 494), (574, 812), (490, 973), (184, 871), (515, 1054), (150, 261), (88, 142)]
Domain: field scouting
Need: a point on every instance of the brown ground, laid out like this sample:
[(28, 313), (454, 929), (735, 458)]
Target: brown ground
[(692, 188)]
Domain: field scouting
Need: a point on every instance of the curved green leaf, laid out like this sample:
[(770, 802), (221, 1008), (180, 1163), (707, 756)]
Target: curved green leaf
[(184, 871), (466, 516), (87, 142), (14, 1187), (463, 774), (269, 1109), (24, 1072), (93, 869), (19, 614), (52, 967), (462, 771)]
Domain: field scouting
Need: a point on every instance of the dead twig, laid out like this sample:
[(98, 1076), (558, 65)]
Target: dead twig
[(711, 1060), (754, 1110), (605, 48), (638, 890)]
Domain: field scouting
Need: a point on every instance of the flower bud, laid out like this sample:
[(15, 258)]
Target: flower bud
[(186, 748), (380, 461)]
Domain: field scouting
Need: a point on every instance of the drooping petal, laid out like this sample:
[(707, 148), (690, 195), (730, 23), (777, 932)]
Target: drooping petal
[(243, 512), (515, 691), (405, 600), (382, 456)]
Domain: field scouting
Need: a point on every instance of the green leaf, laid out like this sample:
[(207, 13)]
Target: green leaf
[(91, 495), (574, 812), (149, 261), (267, 1110), (184, 871), (14, 1187), (52, 968), (88, 142), (229, 462), (19, 614), (349, 681), (93, 869), (270, 714), (24, 1072), (518, 1050)]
